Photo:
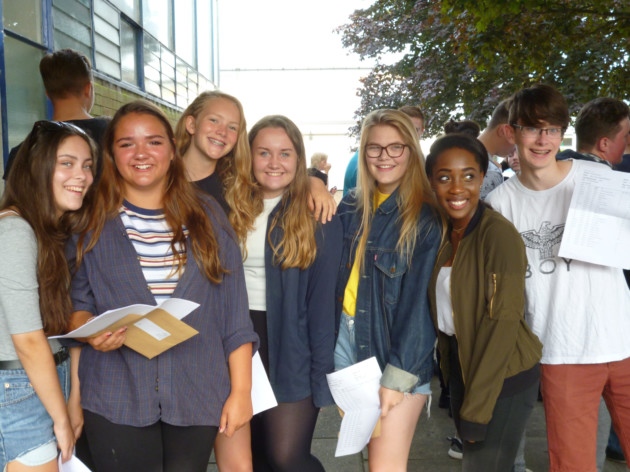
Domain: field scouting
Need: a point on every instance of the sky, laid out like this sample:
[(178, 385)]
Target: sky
[(283, 57)]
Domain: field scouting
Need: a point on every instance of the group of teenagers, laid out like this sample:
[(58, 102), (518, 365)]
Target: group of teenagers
[(212, 213)]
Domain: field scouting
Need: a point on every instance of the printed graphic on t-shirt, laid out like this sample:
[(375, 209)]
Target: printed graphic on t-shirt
[(544, 239)]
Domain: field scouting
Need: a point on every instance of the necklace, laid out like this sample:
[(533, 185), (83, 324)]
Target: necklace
[(458, 231)]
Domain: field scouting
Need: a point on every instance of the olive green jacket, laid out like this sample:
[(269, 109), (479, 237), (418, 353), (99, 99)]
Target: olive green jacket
[(488, 297)]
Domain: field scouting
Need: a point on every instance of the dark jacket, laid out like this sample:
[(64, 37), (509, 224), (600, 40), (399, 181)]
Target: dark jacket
[(488, 299), (301, 318), (392, 321)]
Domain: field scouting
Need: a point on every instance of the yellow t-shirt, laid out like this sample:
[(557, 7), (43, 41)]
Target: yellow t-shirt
[(352, 287)]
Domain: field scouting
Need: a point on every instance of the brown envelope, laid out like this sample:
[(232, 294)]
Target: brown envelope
[(149, 346)]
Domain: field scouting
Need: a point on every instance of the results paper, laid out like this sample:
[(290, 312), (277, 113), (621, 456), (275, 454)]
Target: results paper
[(355, 390), (598, 224)]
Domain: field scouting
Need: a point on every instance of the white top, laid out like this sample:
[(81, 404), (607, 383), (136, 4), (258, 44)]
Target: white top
[(443, 302), (580, 311), (254, 264), (19, 295)]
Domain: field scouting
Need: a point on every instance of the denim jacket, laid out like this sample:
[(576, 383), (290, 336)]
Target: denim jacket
[(392, 318), (301, 317)]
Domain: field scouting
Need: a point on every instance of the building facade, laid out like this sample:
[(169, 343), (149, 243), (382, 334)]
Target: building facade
[(162, 50)]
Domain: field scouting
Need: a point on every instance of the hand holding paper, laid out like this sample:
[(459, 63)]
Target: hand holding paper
[(356, 391)]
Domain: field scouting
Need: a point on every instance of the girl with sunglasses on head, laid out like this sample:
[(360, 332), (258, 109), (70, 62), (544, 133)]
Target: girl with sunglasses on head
[(489, 356), (153, 236), (391, 235), (49, 180)]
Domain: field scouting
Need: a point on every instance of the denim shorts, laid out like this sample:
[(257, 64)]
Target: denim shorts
[(346, 351), (26, 428)]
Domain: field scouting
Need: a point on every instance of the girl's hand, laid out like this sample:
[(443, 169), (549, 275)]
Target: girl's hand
[(321, 202), (108, 341), (389, 399), (237, 412), (65, 439), (75, 412)]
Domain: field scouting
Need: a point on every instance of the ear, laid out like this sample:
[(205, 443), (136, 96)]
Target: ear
[(509, 133), (190, 125), (602, 144)]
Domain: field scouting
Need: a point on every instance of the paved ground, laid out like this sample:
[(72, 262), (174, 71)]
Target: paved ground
[(429, 448)]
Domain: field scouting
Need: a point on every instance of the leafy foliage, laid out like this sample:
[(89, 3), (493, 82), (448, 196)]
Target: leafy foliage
[(459, 58)]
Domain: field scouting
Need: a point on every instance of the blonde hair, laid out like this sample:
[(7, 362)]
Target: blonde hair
[(233, 168), (297, 248), (317, 159), (414, 189)]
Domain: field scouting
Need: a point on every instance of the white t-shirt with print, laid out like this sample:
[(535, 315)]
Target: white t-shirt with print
[(579, 311)]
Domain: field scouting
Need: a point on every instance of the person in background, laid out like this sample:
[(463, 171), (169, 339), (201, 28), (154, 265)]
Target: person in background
[(320, 167), (161, 413), (482, 335), (52, 174), (495, 138), (68, 81), (291, 264), (391, 235), (512, 165)]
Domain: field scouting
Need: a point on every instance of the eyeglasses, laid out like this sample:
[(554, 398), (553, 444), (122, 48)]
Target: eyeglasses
[(393, 150), (533, 132)]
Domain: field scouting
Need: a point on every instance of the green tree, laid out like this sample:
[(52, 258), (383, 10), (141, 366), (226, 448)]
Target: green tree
[(459, 58)]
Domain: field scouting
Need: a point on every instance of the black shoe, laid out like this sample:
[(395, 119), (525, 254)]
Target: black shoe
[(615, 456), (456, 451)]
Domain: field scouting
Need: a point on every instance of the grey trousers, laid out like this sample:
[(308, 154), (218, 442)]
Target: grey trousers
[(505, 430)]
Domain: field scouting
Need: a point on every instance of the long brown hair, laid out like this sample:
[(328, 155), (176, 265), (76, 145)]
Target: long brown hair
[(182, 205), (29, 192), (233, 168), (297, 248), (414, 190)]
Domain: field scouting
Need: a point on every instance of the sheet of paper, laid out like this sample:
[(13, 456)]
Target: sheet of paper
[(598, 224), (73, 465), (262, 393), (355, 390), (177, 307)]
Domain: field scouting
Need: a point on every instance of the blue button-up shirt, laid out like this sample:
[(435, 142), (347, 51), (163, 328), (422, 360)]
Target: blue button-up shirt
[(189, 383)]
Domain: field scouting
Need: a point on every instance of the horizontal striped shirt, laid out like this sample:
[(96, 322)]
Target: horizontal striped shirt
[(151, 237)]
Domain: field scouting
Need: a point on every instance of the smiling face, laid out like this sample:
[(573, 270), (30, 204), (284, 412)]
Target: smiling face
[(215, 130), (274, 161), (456, 180), (73, 174), (539, 151), (142, 154), (387, 171)]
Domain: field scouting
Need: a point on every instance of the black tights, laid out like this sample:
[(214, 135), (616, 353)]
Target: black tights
[(282, 436), (160, 447)]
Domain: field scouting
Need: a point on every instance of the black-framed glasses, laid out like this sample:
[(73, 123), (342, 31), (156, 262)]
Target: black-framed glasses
[(533, 132), (393, 150)]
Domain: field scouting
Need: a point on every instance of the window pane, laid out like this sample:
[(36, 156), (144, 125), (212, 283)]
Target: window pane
[(128, 52), (184, 31), (131, 8), (157, 18), (205, 27), (26, 101), (24, 17)]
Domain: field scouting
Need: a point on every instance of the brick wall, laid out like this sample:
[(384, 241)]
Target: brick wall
[(109, 97)]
